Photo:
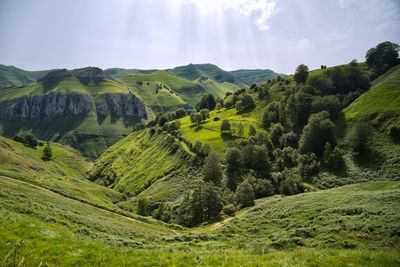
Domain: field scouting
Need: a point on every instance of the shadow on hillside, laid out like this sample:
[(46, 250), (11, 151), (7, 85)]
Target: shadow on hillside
[(228, 137), (47, 129)]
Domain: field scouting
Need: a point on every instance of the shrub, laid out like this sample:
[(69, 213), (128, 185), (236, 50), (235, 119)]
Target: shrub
[(19, 138), (226, 126), (252, 130), (31, 141), (229, 209), (142, 206), (245, 194), (394, 132), (358, 138), (47, 152)]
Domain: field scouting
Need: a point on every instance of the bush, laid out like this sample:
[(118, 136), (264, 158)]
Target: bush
[(229, 209), (31, 141), (142, 206), (19, 138), (226, 126), (252, 130), (47, 152), (358, 138), (245, 194), (318, 131), (394, 132), (247, 102), (291, 185)]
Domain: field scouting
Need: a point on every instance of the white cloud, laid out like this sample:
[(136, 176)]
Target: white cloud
[(262, 10)]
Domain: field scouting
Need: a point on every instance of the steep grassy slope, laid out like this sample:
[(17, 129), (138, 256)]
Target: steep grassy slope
[(256, 76), (381, 102), (42, 227), (64, 173), (195, 71), (12, 76), (137, 161)]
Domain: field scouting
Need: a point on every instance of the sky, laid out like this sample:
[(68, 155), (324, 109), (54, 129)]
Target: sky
[(160, 34)]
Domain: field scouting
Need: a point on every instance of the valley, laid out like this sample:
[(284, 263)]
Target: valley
[(198, 166)]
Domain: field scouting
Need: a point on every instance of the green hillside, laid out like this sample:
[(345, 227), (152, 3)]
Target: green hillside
[(64, 173), (134, 163), (381, 102), (195, 71), (163, 89), (256, 76), (12, 76)]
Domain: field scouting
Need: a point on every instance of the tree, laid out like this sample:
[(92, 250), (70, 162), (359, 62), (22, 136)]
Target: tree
[(322, 83), (207, 101), (197, 146), (291, 185), (225, 126), (240, 129), (47, 152), (289, 139), (142, 206), (246, 102), (382, 57), (329, 103), (180, 113), (245, 194), (252, 130), (318, 131), (205, 149), (275, 133), (232, 169), (163, 212), (358, 138), (201, 204), (212, 170), (196, 118), (255, 158), (162, 120), (205, 114), (31, 141), (301, 74)]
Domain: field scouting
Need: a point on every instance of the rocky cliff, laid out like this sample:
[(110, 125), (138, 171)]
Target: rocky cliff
[(45, 106), (120, 105)]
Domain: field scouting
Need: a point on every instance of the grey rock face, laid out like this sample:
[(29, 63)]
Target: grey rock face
[(121, 105), (45, 106)]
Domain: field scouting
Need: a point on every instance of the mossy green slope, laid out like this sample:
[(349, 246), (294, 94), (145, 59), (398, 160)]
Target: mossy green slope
[(137, 161), (381, 102), (64, 173)]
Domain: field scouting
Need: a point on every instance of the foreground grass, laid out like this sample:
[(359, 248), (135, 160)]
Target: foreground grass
[(302, 230)]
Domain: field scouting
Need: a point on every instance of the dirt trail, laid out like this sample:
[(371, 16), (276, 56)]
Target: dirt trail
[(219, 224)]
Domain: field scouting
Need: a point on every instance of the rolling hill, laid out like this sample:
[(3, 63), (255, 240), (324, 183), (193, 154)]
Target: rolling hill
[(12, 76), (256, 76)]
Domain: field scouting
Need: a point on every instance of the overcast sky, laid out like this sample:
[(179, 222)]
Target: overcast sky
[(233, 34)]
